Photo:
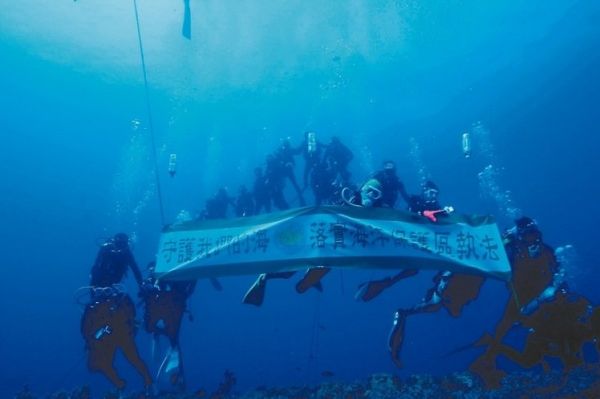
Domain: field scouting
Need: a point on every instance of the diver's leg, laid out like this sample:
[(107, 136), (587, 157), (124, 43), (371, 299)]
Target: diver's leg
[(511, 315), (279, 201), (532, 354), (485, 365), (396, 337), (404, 274), (431, 303), (268, 205), (292, 178), (178, 378), (258, 205), (307, 170), (131, 353), (100, 359), (371, 289)]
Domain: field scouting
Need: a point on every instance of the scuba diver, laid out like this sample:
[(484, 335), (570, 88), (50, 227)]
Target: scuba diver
[(425, 204), (165, 304), (108, 321), (451, 291), (325, 185), (371, 195), (536, 278), (275, 182), (283, 167), (260, 192), (338, 156), (381, 190), (326, 191), (216, 207), (312, 151), (326, 188), (112, 261), (244, 203), (269, 188), (559, 328), (524, 232), (391, 185), (558, 322)]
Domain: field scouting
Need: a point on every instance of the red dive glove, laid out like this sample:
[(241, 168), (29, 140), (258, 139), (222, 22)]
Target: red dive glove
[(431, 214)]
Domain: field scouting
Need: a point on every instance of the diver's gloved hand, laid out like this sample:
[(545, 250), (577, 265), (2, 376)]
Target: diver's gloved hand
[(431, 214), (448, 209)]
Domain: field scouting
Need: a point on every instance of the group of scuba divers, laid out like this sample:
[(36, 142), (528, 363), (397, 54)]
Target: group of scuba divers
[(108, 321)]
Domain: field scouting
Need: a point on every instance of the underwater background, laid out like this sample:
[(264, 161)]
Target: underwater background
[(397, 80)]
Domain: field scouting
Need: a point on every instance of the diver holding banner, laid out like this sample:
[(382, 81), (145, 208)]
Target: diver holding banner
[(165, 305)]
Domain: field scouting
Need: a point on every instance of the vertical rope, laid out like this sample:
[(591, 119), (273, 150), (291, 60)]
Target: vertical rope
[(149, 110)]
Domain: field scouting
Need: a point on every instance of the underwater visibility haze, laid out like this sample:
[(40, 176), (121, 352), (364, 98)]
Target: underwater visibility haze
[(86, 146)]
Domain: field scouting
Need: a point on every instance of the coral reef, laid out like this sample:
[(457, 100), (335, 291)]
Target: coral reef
[(583, 382)]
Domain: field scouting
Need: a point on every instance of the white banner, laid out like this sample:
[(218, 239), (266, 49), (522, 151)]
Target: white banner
[(331, 236)]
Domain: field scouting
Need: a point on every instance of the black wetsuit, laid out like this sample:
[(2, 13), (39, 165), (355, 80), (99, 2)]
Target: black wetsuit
[(338, 156), (275, 181), (283, 168), (390, 187), (323, 184), (312, 159), (181, 291), (418, 204), (244, 204), (216, 207), (111, 265), (260, 192)]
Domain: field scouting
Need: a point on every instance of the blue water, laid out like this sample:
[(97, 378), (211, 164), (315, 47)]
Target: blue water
[(385, 77)]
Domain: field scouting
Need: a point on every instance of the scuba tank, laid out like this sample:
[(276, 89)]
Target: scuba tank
[(311, 139), (466, 145), (172, 164)]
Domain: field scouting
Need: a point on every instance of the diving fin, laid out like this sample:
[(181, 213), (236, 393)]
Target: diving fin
[(186, 30), (256, 294), (170, 367), (173, 361), (371, 289), (312, 278), (396, 337), (358, 295)]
